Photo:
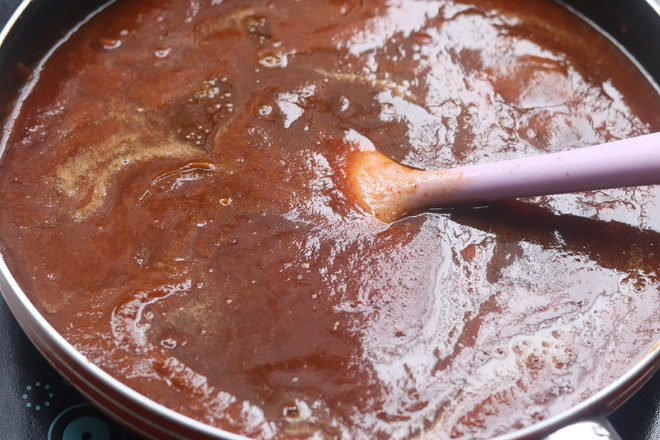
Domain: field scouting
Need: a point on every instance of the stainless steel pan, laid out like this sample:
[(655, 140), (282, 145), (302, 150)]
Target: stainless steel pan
[(633, 24)]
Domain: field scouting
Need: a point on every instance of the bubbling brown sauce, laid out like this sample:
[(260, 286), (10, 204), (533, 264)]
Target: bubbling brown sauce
[(172, 200)]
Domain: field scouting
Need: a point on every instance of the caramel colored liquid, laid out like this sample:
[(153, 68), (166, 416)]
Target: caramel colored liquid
[(171, 198)]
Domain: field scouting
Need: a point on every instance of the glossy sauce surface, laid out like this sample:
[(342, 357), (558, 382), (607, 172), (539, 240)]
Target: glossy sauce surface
[(172, 199)]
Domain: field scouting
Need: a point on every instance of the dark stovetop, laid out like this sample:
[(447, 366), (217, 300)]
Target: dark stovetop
[(37, 403)]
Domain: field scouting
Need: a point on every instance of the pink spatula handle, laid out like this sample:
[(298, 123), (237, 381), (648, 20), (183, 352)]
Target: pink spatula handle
[(389, 190), (628, 162)]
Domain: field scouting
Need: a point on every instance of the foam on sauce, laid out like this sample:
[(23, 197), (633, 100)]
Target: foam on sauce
[(172, 199)]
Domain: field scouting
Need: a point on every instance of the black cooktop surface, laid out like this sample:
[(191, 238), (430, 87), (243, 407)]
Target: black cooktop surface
[(37, 403)]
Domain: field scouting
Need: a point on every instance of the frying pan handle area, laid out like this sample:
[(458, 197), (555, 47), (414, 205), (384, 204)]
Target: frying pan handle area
[(592, 429)]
